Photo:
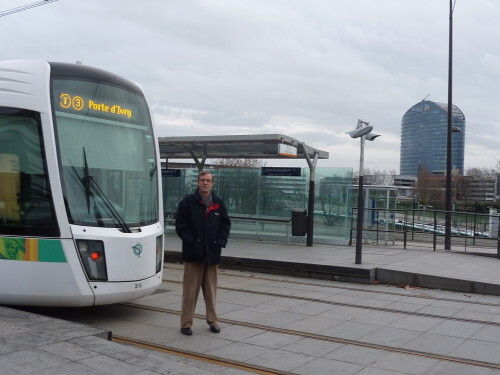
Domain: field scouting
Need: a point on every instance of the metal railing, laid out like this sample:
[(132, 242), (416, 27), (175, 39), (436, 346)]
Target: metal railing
[(470, 233)]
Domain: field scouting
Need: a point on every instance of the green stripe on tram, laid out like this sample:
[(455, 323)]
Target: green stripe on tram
[(32, 250)]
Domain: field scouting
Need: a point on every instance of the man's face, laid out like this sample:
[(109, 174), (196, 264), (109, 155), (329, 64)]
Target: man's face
[(205, 184)]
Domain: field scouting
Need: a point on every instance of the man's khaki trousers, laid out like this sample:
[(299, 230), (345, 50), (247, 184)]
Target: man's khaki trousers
[(196, 276)]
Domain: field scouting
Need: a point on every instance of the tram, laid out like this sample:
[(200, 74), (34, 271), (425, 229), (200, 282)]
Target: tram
[(80, 210)]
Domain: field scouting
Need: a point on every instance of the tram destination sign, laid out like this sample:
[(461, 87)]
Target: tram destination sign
[(80, 103), (280, 171)]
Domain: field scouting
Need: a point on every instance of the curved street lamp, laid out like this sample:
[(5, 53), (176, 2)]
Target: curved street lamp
[(447, 204), (362, 131)]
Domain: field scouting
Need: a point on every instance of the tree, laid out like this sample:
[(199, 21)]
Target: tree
[(480, 187), (237, 183), (238, 187), (428, 187), (333, 195), (376, 177), (238, 163)]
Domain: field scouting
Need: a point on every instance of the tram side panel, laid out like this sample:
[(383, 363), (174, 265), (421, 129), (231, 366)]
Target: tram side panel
[(42, 272)]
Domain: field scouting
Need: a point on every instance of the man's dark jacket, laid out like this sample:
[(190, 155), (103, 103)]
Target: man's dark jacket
[(204, 231)]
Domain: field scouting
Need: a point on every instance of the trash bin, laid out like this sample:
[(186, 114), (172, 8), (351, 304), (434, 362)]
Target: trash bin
[(299, 222)]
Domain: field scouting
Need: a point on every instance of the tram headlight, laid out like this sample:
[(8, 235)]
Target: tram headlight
[(159, 253), (92, 255)]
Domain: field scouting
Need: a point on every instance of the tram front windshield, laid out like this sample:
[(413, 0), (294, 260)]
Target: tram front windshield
[(106, 154)]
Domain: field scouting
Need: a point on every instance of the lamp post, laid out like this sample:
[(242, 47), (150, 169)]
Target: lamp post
[(447, 205), (362, 131)]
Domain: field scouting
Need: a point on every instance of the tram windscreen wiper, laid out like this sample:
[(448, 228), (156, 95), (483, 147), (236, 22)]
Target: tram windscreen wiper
[(92, 188), (152, 171), (86, 180)]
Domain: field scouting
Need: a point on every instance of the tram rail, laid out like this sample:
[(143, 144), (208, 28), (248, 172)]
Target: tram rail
[(316, 336), (198, 356), (237, 286), (359, 306), (319, 285)]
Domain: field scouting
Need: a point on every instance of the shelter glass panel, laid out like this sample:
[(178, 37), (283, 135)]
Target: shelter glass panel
[(260, 206)]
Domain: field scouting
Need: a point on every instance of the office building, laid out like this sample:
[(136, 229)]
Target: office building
[(424, 139)]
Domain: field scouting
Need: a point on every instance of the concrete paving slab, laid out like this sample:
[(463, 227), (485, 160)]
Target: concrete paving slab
[(29, 361), (73, 368), (394, 337), (415, 323), (351, 330), (378, 371), (68, 351), (455, 328), (405, 363), (434, 343), (379, 318), (488, 334), (478, 350), (239, 351), (314, 324), (312, 347), (271, 339), (108, 365), (281, 359), (328, 366), (450, 368), (358, 355)]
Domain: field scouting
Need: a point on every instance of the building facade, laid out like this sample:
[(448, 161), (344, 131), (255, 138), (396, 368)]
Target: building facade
[(424, 139)]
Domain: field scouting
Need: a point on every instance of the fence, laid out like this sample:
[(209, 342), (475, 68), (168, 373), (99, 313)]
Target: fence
[(470, 233)]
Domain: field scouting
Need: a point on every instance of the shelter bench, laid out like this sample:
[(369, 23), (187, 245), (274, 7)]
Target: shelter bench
[(262, 219)]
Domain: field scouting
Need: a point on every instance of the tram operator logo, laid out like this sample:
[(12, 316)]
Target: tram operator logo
[(76, 102), (137, 249)]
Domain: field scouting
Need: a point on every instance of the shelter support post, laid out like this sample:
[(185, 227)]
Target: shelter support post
[(199, 164), (310, 208)]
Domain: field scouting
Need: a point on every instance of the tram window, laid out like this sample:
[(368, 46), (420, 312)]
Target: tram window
[(106, 152), (25, 197)]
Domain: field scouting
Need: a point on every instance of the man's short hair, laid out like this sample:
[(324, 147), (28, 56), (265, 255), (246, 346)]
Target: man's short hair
[(204, 173)]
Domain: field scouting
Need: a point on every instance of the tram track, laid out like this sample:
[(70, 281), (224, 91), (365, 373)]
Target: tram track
[(309, 335), (358, 306), (199, 356), (386, 292), (138, 311)]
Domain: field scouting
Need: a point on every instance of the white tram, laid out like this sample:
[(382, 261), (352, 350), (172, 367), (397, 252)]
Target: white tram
[(80, 210)]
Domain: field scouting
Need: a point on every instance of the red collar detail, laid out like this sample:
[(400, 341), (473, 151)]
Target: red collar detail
[(212, 206)]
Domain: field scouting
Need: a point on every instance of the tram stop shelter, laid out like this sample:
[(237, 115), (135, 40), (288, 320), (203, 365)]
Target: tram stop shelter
[(256, 146)]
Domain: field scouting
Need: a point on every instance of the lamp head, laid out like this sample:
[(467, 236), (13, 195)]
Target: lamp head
[(371, 136), (356, 133)]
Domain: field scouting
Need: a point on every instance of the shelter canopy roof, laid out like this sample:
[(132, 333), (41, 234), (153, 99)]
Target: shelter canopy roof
[(257, 146)]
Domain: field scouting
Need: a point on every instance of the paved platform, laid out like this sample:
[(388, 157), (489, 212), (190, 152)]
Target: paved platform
[(41, 345), (34, 344), (385, 264)]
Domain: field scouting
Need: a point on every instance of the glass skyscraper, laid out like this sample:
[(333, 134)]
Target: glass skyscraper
[(423, 139)]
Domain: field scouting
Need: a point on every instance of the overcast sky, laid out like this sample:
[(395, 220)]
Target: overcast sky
[(305, 68)]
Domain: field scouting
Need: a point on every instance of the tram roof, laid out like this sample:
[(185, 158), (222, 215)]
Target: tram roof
[(256, 146)]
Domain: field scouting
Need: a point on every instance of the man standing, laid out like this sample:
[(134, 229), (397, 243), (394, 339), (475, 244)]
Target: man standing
[(203, 225)]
